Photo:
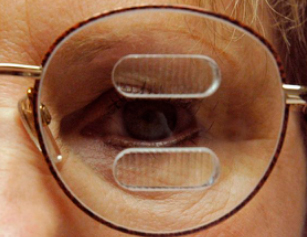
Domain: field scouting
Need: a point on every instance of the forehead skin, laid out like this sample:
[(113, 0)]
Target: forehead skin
[(28, 28), (34, 20), (32, 204)]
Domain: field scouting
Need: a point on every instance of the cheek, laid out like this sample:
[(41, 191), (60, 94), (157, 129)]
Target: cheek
[(279, 207)]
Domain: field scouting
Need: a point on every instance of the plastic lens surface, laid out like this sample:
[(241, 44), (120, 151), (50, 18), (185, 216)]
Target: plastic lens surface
[(162, 76), (166, 169), (240, 121)]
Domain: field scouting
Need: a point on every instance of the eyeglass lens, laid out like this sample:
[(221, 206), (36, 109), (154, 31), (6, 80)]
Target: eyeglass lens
[(236, 127)]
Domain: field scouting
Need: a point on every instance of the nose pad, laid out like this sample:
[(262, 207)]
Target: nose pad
[(166, 169), (25, 107)]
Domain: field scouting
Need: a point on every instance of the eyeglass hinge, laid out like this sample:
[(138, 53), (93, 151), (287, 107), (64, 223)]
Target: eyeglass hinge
[(25, 107), (45, 114)]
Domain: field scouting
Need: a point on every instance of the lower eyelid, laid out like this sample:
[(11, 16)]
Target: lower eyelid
[(176, 140)]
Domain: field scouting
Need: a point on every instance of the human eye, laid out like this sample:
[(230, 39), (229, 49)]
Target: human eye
[(144, 123), (112, 123)]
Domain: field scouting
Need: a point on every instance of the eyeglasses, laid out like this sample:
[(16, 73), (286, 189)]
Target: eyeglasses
[(148, 113)]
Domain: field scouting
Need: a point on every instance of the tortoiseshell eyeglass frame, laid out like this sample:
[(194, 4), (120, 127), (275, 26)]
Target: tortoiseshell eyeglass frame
[(30, 108)]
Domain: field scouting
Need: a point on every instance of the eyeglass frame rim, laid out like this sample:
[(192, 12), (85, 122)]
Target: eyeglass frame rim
[(35, 72)]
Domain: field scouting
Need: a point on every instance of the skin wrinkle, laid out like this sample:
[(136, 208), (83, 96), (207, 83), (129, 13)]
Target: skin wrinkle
[(265, 218), (39, 41), (29, 32), (21, 28)]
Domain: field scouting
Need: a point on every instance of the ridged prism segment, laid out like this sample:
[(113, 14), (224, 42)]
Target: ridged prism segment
[(166, 76), (166, 169)]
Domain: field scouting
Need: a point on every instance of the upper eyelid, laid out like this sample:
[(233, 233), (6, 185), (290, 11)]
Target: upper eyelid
[(88, 48), (116, 101), (90, 108)]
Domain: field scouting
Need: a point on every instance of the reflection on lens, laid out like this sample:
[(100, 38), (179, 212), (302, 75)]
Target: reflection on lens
[(166, 169), (240, 121), (166, 76)]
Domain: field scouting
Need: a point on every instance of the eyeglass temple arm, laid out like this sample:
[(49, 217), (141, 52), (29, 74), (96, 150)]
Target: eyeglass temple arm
[(20, 70), (25, 107), (295, 94)]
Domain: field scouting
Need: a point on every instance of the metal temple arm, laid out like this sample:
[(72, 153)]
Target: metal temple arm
[(20, 70)]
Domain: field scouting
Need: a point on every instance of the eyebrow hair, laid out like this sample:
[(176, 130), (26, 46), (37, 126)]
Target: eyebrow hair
[(246, 11)]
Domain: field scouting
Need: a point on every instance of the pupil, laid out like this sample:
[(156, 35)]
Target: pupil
[(149, 120), (149, 116)]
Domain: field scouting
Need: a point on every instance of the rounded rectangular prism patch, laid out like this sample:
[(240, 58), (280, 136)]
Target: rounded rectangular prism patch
[(166, 76), (166, 169)]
